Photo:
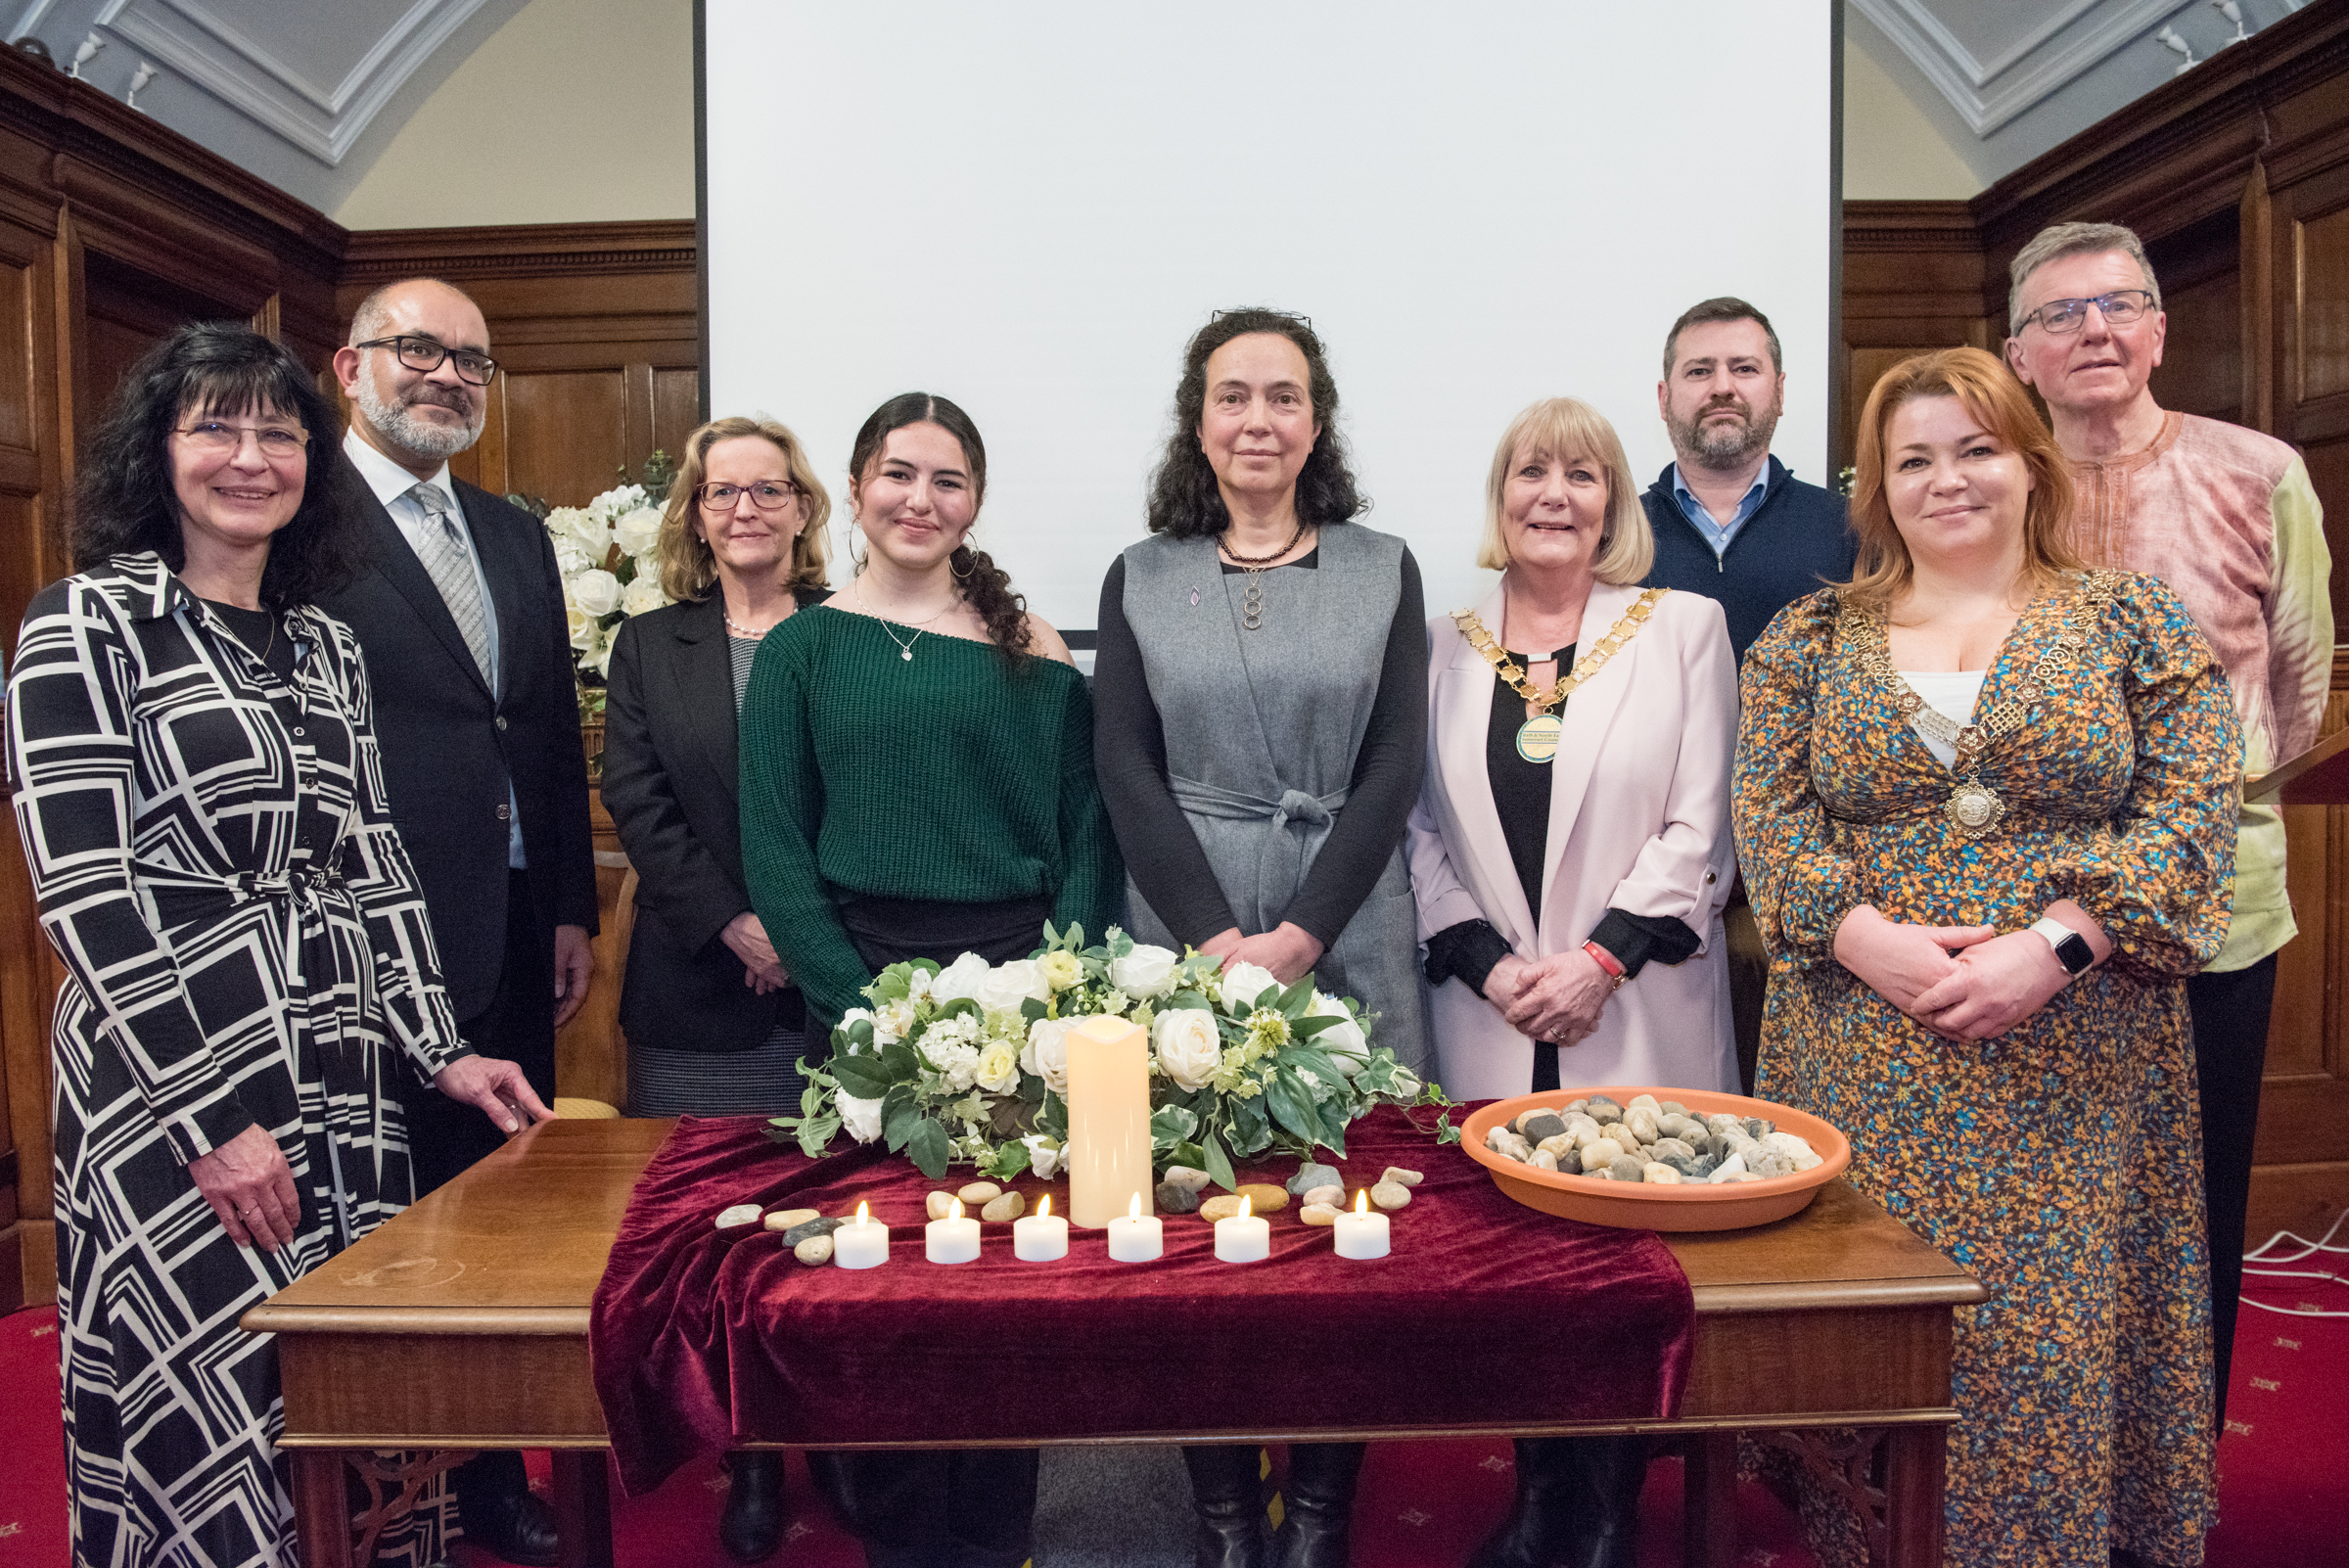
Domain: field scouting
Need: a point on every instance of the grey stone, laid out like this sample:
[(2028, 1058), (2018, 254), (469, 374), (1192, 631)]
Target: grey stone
[(813, 1227), (1173, 1197), (1541, 1125), (1313, 1173), (1626, 1168)]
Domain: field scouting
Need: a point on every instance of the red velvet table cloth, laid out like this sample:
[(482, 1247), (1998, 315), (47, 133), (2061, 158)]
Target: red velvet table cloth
[(1484, 1312)]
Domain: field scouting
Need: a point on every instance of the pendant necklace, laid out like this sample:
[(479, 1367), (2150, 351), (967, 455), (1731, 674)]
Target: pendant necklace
[(1252, 600), (1537, 736), (1972, 806), (904, 644)]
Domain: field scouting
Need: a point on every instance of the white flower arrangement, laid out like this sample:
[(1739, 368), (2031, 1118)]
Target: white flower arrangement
[(607, 554), (967, 1064)]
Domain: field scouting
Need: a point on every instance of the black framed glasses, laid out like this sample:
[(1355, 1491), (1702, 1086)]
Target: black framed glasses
[(768, 495), (424, 355), (2060, 317), (217, 438)]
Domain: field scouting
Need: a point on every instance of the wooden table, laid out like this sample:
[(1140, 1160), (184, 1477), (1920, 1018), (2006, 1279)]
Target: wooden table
[(462, 1324)]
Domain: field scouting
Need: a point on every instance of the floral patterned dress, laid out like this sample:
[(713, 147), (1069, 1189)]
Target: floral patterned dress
[(2060, 1161)]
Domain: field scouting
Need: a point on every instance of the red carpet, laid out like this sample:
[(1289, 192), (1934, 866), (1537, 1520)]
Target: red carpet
[(2284, 1494)]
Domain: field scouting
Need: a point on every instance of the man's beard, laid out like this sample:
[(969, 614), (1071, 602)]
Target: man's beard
[(1725, 445), (397, 424)]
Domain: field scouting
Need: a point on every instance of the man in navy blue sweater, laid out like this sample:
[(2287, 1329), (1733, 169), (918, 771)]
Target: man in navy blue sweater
[(1734, 525), (1731, 522)]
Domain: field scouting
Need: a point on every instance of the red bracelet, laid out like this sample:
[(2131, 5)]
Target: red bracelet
[(1607, 961)]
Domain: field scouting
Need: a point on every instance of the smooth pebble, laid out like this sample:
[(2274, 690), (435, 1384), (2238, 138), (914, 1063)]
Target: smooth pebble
[(1397, 1173), (1390, 1195), (1008, 1206), (1624, 1168), (1222, 1206), (814, 1251), (1267, 1198), (739, 1217), (1319, 1214), (1660, 1173), (1173, 1198), (813, 1227), (940, 1204), (1183, 1175), (1313, 1175), (974, 1193), (1333, 1195), (785, 1218), (1541, 1125), (1545, 1159)]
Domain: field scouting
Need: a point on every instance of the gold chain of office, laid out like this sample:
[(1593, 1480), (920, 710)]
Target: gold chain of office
[(1974, 806), (1537, 736)]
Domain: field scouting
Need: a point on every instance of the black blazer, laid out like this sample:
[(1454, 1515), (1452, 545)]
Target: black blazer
[(451, 747), (671, 784)]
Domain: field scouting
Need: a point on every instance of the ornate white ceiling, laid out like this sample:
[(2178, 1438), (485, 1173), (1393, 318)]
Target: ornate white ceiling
[(306, 93), (301, 92), (2005, 80)]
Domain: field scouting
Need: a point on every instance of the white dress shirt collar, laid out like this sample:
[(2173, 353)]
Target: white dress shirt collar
[(386, 479)]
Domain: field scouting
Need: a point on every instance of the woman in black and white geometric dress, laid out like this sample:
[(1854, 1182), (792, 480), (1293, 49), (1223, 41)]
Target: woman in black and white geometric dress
[(247, 951)]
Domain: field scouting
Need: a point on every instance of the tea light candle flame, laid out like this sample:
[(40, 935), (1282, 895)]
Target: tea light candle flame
[(1359, 1233), (954, 1209), (1362, 1200), (865, 1214), (1044, 1206), (1246, 1206), (1133, 1210)]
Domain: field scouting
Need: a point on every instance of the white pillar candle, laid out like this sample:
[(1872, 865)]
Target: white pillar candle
[(1041, 1236), (1109, 1117), (1361, 1233), (951, 1240), (1244, 1237), (1136, 1236), (860, 1244)]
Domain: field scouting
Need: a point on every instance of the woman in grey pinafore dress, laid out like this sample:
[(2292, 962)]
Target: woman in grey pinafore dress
[(1261, 702)]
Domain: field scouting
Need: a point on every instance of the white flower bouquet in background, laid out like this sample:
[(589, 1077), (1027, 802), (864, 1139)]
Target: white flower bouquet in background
[(607, 555), (967, 1064)]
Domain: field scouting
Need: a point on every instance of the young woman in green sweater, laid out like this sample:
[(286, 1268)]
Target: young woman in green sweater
[(917, 781)]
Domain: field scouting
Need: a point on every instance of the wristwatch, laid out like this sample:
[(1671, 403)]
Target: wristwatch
[(2071, 948)]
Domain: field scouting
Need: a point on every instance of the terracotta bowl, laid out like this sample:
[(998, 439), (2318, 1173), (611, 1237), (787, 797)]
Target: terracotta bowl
[(1639, 1206)]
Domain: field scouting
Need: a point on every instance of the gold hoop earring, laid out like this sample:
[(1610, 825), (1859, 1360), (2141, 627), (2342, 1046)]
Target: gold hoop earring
[(960, 549)]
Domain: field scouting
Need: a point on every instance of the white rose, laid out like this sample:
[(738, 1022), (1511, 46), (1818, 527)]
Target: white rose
[(637, 531), (1042, 1158), (1188, 1049), (584, 627), (1242, 985), (893, 1020), (1146, 971), (644, 593), (585, 533), (1047, 1052), (597, 592), (615, 503), (956, 1061), (1006, 985), (960, 979), (861, 1118), (1344, 1041), (569, 559), (999, 1068)]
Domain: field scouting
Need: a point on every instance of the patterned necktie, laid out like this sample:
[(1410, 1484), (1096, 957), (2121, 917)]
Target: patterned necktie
[(443, 551)]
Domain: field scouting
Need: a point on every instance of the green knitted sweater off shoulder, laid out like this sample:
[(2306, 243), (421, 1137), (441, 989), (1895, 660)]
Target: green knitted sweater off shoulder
[(949, 777)]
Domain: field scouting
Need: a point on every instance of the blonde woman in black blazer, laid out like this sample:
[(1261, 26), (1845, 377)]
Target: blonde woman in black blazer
[(714, 1024)]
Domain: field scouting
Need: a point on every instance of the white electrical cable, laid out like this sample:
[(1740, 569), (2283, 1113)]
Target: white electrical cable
[(2308, 1249)]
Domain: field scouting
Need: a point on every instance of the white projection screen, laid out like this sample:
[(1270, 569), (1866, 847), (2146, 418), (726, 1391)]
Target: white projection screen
[(1029, 206)]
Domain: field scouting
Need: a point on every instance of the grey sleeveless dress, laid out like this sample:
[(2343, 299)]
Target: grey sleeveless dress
[(1262, 728)]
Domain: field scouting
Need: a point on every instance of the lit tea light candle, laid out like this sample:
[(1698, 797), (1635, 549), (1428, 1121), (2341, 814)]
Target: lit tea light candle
[(1244, 1237), (1041, 1236), (1136, 1236), (860, 1244), (1361, 1233), (951, 1240)]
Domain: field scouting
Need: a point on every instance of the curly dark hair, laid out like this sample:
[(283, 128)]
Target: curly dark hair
[(1184, 499), (984, 584), (126, 501)]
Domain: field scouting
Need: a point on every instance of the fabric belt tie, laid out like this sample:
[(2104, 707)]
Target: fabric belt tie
[(1289, 855), (309, 954)]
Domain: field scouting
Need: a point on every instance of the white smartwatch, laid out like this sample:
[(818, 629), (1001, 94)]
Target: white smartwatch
[(2071, 948)]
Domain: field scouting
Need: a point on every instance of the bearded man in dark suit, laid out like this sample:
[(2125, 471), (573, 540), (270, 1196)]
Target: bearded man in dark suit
[(461, 618)]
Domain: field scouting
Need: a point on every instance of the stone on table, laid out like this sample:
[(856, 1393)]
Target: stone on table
[(1001, 1211), (1397, 1173), (812, 1227), (1390, 1195), (1183, 1175), (1319, 1214), (1313, 1173), (1263, 1197), (785, 1218), (1333, 1194), (1173, 1197), (815, 1251), (974, 1193)]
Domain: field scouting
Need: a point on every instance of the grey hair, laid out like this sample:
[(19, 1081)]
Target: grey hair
[(368, 321), (2059, 240)]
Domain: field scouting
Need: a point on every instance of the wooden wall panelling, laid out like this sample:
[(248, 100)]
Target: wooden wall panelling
[(1911, 281)]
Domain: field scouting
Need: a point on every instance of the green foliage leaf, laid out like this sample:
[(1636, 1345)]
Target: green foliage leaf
[(1217, 1164), (958, 1007), (1117, 943), (1031, 1010), (899, 1059), (1292, 1104), (1031, 1089), (899, 1112), (815, 1134), (890, 984), (928, 966), (1187, 999), (1193, 1155), (928, 1146), (1251, 1127), (1445, 1133), (867, 1078), (1009, 1161), (1297, 998), (1054, 1118), (1171, 1124)]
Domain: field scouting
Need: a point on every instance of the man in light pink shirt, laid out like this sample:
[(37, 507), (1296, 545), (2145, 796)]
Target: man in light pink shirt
[(2225, 517)]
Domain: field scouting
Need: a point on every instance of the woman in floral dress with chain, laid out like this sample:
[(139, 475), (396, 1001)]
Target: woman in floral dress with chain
[(1984, 801)]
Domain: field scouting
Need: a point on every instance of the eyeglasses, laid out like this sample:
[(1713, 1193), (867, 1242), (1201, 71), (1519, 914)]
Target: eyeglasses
[(2059, 317), (424, 355), (767, 495), (217, 438)]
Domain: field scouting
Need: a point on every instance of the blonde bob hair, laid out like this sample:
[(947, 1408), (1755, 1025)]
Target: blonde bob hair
[(688, 568), (1564, 428), (1993, 398)]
